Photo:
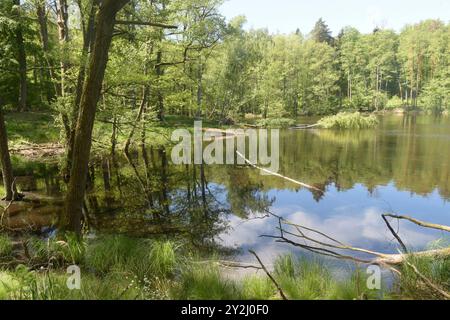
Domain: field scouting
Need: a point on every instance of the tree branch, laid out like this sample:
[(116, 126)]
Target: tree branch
[(151, 24), (269, 275), (420, 223)]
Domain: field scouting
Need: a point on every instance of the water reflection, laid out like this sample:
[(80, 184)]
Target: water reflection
[(403, 166)]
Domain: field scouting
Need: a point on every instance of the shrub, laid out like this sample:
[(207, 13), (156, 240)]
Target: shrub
[(276, 123), (349, 121), (394, 103)]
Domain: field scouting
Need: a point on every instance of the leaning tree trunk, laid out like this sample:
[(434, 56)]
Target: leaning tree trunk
[(7, 172), (71, 220), (88, 37)]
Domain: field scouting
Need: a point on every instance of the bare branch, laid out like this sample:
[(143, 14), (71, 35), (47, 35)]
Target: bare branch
[(278, 175), (270, 276), (420, 223), (429, 283), (143, 23), (405, 250)]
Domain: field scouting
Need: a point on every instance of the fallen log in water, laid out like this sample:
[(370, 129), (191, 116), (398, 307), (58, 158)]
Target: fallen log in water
[(277, 174), (305, 126)]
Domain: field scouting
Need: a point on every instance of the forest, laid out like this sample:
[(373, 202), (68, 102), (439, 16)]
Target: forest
[(90, 91)]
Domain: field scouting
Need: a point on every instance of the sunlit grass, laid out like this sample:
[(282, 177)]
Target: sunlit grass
[(32, 127), (120, 267), (58, 252), (205, 282), (436, 271), (141, 258), (346, 120), (279, 123)]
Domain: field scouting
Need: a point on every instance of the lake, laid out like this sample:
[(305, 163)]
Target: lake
[(402, 167)]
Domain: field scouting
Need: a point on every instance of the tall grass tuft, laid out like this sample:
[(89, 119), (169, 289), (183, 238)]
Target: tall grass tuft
[(201, 282), (258, 288), (162, 258), (58, 252), (23, 284), (303, 279), (139, 258), (6, 247), (346, 120), (437, 271)]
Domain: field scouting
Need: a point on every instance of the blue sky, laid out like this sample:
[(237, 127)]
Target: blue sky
[(286, 16)]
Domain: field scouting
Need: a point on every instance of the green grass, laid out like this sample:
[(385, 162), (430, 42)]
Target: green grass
[(303, 279), (346, 120), (205, 282), (119, 267), (23, 284), (279, 123), (437, 271), (300, 279), (32, 127), (6, 246), (258, 288), (58, 252), (139, 258)]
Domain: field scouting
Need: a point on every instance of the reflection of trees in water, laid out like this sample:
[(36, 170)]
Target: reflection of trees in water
[(410, 151), (148, 196)]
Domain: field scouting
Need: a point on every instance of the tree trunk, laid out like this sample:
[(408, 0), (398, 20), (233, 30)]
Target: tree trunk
[(88, 36), (63, 32), (41, 13), (8, 178), (22, 59), (159, 74), (105, 21)]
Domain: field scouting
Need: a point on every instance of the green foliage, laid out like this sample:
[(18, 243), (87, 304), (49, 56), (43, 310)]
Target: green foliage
[(321, 32), (276, 123), (31, 127), (23, 284), (68, 250), (303, 279), (137, 257), (205, 283), (394, 103), (349, 121), (162, 258), (258, 288), (437, 271), (5, 246)]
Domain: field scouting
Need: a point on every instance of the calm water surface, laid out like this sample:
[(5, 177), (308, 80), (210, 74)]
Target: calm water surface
[(402, 167)]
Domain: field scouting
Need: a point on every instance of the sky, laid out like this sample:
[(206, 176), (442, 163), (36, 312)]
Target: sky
[(285, 16)]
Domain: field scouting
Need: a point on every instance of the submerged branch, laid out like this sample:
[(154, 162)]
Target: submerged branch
[(278, 175)]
